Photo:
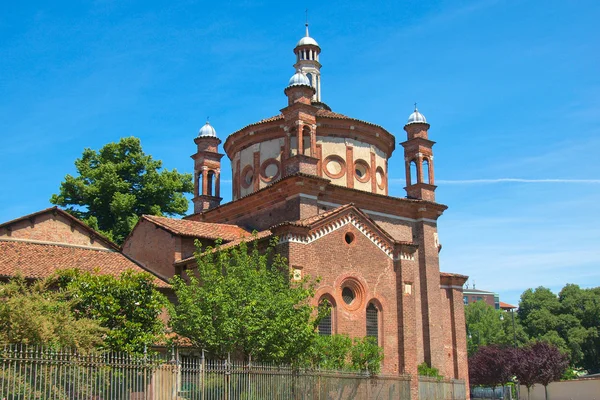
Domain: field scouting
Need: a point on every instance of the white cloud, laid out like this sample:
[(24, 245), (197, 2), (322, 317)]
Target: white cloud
[(506, 180)]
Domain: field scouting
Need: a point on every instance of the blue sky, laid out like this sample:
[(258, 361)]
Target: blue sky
[(511, 89)]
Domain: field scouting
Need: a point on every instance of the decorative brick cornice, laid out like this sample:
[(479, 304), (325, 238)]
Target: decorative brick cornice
[(386, 245)]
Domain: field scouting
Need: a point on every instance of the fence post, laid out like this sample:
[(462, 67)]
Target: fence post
[(227, 376), (202, 375), (248, 376)]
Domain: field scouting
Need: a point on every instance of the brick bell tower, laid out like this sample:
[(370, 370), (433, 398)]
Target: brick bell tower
[(207, 170), (418, 158)]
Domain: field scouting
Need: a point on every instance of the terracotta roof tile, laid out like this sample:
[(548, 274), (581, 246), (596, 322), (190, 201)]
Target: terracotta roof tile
[(37, 260), (506, 306), (330, 114), (206, 230), (246, 238), (307, 222), (68, 216)]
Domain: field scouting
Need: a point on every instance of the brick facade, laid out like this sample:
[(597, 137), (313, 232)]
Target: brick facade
[(318, 180)]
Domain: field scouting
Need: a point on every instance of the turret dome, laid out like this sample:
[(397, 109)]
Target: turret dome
[(416, 118), (207, 131), (299, 79), (307, 40)]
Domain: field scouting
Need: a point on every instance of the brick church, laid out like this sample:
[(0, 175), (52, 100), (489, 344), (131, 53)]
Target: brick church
[(318, 180)]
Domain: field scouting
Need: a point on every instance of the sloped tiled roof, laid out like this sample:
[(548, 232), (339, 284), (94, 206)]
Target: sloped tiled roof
[(307, 222), (40, 260), (246, 238), (55, 210), (320, 113), (506, 306), (205, 230)]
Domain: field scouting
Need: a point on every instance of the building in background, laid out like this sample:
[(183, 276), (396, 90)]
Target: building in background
[(471, 295)]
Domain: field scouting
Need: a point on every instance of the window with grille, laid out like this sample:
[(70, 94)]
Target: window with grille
[(348, 295), (325, 326), (373, 321)]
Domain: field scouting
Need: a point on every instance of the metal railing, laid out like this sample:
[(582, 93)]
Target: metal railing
[(47, 374)]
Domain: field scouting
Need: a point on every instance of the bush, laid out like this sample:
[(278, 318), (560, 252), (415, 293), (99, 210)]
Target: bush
[(424, 369)]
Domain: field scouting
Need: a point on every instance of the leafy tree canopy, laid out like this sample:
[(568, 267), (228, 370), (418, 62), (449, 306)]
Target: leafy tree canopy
[(117, 184), (491, 366), (424, 369), (241, 301), (33, 314), (539, 362), (340, 352), (129, 306), (570, 321), (488, 326)]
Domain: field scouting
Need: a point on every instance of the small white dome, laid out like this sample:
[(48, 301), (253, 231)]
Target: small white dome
[(299, 79), (207, 131), (307, 40), (416, 118)]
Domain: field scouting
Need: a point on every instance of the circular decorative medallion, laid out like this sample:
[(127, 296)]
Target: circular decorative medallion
[(353, 294), (247, 176), (269, 170), (334, 166), (380, 177)]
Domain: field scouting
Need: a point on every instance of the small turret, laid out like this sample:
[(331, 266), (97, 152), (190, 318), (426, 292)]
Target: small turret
[(207, 170), (418, 158)]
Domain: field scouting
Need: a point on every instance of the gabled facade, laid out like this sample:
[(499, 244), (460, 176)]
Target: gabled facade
[(37, 245)]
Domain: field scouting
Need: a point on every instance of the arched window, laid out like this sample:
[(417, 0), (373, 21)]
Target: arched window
[(293, 143), (306, 141), (199, 184), (426, 171), (373, 321), (413, 172), (326, 324), (310, 79), (210, 182)]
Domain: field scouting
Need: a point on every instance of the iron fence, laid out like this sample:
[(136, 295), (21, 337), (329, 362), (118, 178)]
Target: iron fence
[(48, 374)]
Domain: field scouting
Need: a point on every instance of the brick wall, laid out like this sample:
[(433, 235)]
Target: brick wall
[(368, 270), (54, 228), (154, 248)]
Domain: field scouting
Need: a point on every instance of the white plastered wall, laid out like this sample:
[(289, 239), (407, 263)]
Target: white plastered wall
[(362, 151)]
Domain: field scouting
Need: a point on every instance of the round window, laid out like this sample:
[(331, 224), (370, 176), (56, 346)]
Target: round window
[(348, 295), (380, 177), (269, 170), (349, 237), (334, 166), (361, 171), (247, 176)]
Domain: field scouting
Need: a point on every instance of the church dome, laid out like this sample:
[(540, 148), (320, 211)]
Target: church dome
[(299, 79), (307, 40), (416, 118), (207, 131)]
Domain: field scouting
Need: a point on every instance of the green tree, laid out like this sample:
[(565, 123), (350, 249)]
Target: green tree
[(129, 306), (366, 355), (240, 300), (424, 369), (488, 326), (117, 184), (570, 321), (32, 314), (330, 352)]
